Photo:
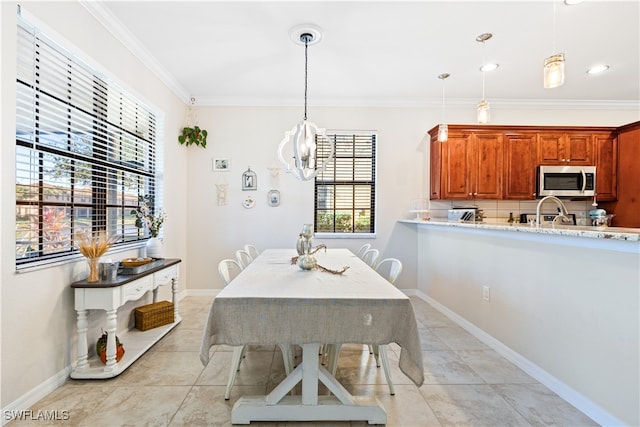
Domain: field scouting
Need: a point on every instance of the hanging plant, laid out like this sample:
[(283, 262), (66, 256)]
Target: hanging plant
[(193, 135)]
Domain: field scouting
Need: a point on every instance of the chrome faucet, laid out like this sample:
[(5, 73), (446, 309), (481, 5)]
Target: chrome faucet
[(564, 213)]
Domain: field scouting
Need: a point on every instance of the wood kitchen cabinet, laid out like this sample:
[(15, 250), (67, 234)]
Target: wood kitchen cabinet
[(520, 151), (565, 148), (606, 161), (499, 162), (471, 166), (627, 205)]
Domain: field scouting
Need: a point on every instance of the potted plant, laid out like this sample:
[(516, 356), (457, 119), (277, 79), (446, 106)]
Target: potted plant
[(193, 135)]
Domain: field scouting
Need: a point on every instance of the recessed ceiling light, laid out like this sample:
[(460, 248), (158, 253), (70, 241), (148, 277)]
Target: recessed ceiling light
[(489, 67), (572, 2), (597, 69)]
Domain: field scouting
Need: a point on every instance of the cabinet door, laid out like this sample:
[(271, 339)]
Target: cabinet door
[(551, 148), (606, 160), (519, 167), (579, 149), (486, 166), (434, 169), (456, 166)]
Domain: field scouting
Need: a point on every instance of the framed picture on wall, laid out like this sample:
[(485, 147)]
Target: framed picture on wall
[(221, 164), (249, 180), (273, 197)]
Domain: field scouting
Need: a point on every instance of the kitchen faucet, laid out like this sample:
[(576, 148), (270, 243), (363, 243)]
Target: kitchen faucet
[(564, 213)]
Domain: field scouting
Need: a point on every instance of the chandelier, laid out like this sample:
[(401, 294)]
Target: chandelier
[(304, 135)]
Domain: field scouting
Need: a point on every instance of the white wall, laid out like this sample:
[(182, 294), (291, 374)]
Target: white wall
[(570, 309), (38, 320)]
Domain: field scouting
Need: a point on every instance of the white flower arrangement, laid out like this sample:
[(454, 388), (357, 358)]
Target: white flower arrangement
[(145, 218)]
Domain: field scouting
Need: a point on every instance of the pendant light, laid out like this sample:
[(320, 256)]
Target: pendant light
[(443, 129), (483, 110), (553, 71), (304, 135)]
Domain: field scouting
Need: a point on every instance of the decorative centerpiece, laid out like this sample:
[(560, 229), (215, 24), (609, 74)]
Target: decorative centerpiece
[(145, 218), (93, 246), (305, 259)]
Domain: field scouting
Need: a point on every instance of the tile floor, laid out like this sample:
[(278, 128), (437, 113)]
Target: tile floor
[(466, 383)]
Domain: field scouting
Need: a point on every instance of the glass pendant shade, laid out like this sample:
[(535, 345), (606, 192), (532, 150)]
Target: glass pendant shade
[(484, 112), (554, 71), (443, 133)]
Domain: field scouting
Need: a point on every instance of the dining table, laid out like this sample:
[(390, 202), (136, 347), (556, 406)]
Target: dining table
[(273, 301)]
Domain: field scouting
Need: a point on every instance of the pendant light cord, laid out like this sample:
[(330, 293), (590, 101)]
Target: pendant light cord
[(483, 71), (306, 59)]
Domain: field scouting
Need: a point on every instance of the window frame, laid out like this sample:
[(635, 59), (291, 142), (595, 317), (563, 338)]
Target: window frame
[(119, 144), (320, 181)]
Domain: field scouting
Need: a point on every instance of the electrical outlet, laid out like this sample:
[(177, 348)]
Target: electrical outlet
[(486, 293)]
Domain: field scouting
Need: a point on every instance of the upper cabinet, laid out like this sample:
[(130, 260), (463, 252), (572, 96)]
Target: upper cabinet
[(470, 166), (565, 148), (520, 156), (605, 147), (499, 162)]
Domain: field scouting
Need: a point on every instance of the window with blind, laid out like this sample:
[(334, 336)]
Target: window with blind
[(85, 152), (345, 191)]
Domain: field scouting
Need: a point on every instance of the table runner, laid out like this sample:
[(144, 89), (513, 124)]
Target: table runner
[(274, 302)]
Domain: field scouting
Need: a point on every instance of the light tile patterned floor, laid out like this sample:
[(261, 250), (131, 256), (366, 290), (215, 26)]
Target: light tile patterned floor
[(466, 383)]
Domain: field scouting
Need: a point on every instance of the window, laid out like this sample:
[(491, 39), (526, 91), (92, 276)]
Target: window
[(85, 152), (345, 190)]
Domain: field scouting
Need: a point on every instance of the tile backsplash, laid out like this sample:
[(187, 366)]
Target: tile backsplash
[(498, 210)]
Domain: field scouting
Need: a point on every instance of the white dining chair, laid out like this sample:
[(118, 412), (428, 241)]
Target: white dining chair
[(364, 248), (228, 270), (243, 258), (390, 269), (252, 250), (370, 257)]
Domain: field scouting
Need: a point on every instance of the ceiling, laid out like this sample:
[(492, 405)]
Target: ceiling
[(383, 53)]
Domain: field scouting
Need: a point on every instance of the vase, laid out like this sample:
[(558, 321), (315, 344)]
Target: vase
[(94, 275), (154, 247)]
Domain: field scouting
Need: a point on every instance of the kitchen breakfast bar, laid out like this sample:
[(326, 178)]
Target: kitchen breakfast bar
[(563, 304)]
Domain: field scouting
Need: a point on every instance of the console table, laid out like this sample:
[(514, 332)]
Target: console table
[(109, 295)]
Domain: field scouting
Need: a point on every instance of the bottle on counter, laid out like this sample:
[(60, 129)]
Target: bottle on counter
[(511, 220)]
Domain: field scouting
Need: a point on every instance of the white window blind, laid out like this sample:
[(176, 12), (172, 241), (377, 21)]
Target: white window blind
[(85, 152), (345, 190)]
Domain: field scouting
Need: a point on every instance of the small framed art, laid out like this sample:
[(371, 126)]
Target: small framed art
[(273, 198), (221, 164), (249, 180)]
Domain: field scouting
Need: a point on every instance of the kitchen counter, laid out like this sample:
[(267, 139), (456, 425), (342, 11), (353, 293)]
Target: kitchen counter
[(611, 233)]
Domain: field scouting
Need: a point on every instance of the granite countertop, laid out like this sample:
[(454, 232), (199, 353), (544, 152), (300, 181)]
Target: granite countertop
[(612, 233)]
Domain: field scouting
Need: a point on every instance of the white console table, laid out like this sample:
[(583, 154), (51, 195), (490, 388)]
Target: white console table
[(109, 296)]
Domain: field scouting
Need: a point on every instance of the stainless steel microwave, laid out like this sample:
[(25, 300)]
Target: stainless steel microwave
[(566, 181)]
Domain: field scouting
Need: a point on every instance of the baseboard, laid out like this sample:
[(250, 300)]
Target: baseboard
[(580, 402), (30, 398)]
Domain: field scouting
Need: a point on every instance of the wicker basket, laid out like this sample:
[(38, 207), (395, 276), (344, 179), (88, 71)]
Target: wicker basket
[(153, 315)]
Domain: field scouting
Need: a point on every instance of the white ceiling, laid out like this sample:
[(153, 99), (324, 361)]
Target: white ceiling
[(383, 53)]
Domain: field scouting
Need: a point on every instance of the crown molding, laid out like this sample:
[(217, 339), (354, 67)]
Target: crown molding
[(120, 32)]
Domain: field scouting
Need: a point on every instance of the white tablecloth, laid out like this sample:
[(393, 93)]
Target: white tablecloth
[(274, 302)]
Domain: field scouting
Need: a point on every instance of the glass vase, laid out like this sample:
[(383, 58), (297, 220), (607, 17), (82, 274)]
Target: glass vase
[(94, 275)]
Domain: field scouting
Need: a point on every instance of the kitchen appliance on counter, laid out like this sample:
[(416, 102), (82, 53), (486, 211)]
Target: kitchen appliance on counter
[(465, 214), (600, 218), (566, 181), (546, 218)]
